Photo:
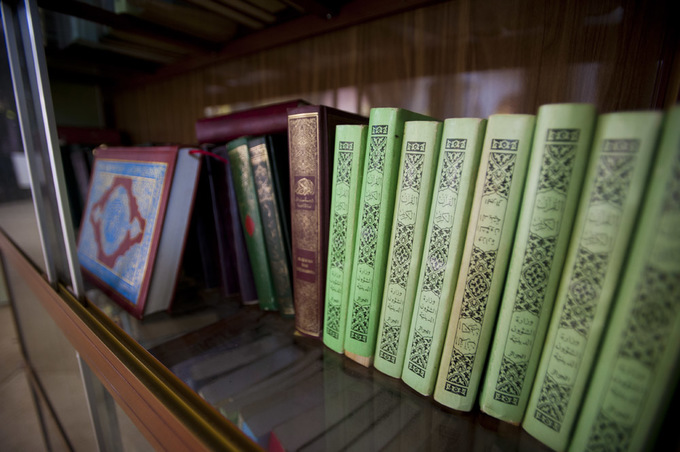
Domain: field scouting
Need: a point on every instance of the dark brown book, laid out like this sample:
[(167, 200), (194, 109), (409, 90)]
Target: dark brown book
[(311, 141), (267, 119)]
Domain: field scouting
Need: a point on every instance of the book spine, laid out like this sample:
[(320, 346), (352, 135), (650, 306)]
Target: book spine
[(246, 194), (560, 152), (488, 242), (224, 239), (244, 269), (350, 146), (628, 392), (458, 162), (277, 148), (413, 200), (622, 150), (385, 136), (271, 224), (304, 135)]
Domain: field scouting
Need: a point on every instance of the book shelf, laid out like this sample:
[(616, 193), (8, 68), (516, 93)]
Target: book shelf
[(444, 59)]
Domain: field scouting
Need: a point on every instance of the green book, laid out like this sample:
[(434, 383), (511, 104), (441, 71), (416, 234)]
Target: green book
[(488, 242), (459, 154), (622, 151), (561, 146), (350, 146), (637, 367), (413, 199), (376, 208), (249, 211), (272, 224)]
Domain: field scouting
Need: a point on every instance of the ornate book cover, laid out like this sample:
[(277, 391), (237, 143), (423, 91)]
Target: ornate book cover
[(562, 142), (251, 221), (311, 137), (622, 152), (123, 231), (412, 207), (261, 120), (381, 167), (350, 146), (459, 155), (272, 224), (488, 242), (636, 368)]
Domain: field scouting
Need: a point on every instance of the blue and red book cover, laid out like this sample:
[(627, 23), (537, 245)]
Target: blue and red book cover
[(123, 220)]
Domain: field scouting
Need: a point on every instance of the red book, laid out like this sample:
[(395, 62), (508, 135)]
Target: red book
[(267, 119), (311, 138)]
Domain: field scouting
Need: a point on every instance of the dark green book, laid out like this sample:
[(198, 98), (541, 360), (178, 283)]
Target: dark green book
[(272, 223), (249, 211)]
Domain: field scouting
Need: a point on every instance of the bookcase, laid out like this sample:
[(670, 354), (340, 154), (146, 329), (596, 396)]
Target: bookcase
[(444, 59)]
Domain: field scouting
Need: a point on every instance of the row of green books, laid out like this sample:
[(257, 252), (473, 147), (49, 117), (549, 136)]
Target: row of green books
[(527, 263)]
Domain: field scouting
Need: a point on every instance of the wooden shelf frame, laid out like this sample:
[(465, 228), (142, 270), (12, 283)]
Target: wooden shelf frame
[(168, 413)]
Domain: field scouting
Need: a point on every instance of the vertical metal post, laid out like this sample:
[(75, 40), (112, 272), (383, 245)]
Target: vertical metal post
[(33, 163), (44, 127), (33, 44)]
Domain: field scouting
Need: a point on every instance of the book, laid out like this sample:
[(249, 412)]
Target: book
[(225, 238), (277, 148), (244, 270), (272, 224), (381, 167), (388, 427), (412, 207), (261, 417), (304, 368), (343, 434), (554, 179), (77, 168), (350, 147), (488, 241), (637, 365), (76, 145), (311, 138), (251, 221), (205, 270), (261, 120), (343, 395), (135, 223), (229, 385), (459, 155), (622, 151)]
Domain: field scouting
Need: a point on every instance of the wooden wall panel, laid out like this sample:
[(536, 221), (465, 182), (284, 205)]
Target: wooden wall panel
[(459, 58)]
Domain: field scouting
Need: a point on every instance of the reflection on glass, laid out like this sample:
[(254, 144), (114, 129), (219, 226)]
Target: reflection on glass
[(17, 216)]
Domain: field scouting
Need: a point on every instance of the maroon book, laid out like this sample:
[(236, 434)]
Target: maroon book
[(311, 138), (267, 119)]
